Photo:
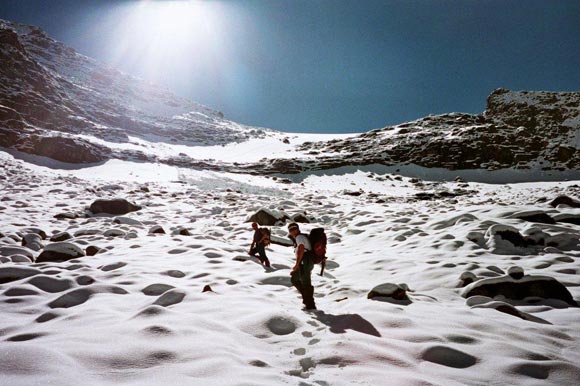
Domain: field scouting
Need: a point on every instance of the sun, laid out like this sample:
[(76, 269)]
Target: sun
[(154, 33)]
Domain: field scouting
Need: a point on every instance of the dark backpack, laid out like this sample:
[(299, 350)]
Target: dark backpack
[(318, 241), (266, 231)]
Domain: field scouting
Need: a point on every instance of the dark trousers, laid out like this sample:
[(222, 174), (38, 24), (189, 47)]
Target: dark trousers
[(301, 281), (260, 249), (307, 292)]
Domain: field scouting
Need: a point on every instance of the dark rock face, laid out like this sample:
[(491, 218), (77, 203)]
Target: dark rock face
[(115, 206), (47, 86), (516, 129)]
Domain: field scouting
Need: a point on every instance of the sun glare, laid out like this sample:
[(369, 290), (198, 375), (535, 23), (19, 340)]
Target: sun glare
[(153, 34)]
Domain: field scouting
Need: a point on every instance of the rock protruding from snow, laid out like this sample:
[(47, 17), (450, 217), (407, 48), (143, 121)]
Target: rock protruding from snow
[(61, 236), (10, 250), (32, 241), (565, 201), (59, 252), (389, 290), (114, 206), (519, 289), (516, 272), (266, 216), (157, 229)]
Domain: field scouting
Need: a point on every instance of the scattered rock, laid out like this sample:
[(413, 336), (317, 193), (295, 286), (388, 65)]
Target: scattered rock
[(115, 206), (207, 288), (301, 218), (9, 251), (389, 290), (157, 229), (61, 236), (126, 221), (169, 298), (92, 250), (518, 289), (515, 272), (114, 233), (67, 216), (466, 278), (268, 217), (36, 231), (32, 241), (59, 252), (10, 274), (565, 200), (156, 289)]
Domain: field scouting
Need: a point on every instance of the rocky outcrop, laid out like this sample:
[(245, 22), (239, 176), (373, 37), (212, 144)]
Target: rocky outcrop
[(521, 130), (48, 90)]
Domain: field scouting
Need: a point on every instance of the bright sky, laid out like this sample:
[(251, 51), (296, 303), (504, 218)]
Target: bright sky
[(325, 66)]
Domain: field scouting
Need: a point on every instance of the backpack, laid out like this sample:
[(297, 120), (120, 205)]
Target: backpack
[(266, 231), (318, 241)]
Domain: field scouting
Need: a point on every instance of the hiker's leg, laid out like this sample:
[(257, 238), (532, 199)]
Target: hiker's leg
[(263, 258), (308, 296)]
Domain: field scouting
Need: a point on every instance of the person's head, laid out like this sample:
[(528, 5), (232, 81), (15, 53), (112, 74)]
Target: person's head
[(293, 229), (255, 226)]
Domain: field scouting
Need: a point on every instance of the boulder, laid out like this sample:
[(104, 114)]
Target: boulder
[(61, 236), (9, 251), (114, 206), (389, 290), (114, 233), (515, 272), (66, 216), (268, 217), (565, 200), (301, 218), (36, 231), (92, 250), (536, 216), (180, 231), (157, 229), (59, 252), (32, 241), (518, 289), (10, 274), (466, 278), (126, 221)]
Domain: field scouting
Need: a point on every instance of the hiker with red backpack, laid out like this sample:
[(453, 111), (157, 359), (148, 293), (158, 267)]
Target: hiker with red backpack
[(309, 250)]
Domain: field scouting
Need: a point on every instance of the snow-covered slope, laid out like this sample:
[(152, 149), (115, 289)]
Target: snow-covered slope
[(136, 314)]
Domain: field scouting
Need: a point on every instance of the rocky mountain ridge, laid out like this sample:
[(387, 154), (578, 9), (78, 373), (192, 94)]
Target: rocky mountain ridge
[(49, 94), (519, 129), (57, 103)]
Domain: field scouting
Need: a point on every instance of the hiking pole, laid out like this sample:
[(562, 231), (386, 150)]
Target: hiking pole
[(322, 266)]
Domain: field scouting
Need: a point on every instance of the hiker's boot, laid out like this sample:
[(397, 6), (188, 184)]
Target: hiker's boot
[(308, 296), (267, 262)]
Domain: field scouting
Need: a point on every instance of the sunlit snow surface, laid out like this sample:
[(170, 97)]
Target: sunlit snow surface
[(109, 319)]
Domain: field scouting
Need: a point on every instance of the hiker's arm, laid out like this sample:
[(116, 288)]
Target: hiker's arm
[(299, 255), (252, 246)]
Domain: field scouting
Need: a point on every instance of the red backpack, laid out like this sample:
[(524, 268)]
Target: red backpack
[(318, 242)]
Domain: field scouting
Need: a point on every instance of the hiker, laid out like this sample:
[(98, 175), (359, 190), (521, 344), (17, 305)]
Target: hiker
[(260, 240), (300, 274)]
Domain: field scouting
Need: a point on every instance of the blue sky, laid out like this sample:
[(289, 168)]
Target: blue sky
[(325, 66)]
